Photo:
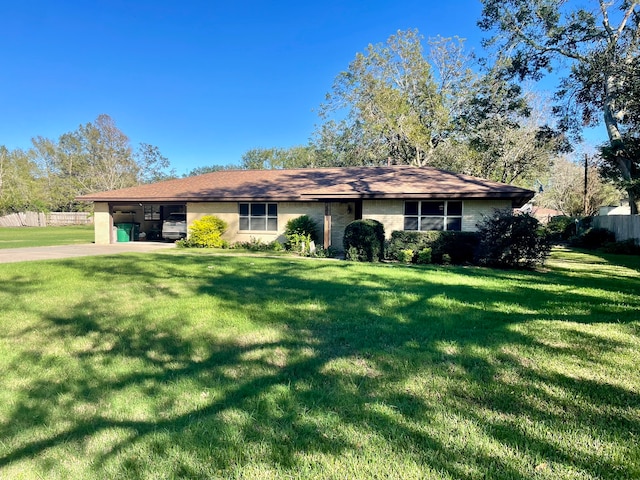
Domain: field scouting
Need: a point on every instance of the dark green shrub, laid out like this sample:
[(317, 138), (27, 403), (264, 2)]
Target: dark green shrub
[(561, 228), (593, 238), (401, 241), (456, 247), (459, 246), (303, 225), (624, 247), (364, 241), (424, 256), (512, 241), (206, 233)]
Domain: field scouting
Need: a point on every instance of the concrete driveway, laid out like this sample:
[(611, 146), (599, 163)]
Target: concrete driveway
[(10, 255)]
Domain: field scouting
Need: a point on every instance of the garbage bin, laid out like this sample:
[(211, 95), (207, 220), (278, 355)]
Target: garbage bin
[(124, 231)]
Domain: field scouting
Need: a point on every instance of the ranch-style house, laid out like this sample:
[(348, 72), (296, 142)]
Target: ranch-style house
[(258, 203)]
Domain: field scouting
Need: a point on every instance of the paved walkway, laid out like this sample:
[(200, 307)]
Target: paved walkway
[(10, 255)]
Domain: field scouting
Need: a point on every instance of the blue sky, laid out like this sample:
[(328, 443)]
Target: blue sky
[(204, 81)]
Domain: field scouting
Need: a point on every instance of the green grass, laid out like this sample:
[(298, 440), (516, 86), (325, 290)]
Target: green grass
[(17, 237), (189, 365)]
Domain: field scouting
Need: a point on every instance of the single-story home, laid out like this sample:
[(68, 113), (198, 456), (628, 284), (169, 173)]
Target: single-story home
[(259, 203)]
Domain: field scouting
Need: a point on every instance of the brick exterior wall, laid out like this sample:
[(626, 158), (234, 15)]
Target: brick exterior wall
[(228, 211), (391, 212)]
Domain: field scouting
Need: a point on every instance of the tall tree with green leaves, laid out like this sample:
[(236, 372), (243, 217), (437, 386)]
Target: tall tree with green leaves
[(21, 186), (97, 156), (151, 165), (386, 105), (600, 42)]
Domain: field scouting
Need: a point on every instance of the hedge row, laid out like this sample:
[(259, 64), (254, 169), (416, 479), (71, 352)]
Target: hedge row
[(446, 247)]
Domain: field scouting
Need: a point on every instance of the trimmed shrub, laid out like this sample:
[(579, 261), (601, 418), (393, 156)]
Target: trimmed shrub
[(512, 241), (206, 233), (364, 241), (303, 225), (593, 238), (446, 247), (424, 256)]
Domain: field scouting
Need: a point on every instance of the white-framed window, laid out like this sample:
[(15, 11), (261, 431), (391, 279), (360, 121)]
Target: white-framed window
[(433, 215), (258, 216)]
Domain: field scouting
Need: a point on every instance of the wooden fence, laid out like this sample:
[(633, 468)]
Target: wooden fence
[(39, 219), (624, 226)]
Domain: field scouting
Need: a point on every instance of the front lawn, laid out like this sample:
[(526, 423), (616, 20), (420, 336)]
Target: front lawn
[(188, 365), (17, 237)]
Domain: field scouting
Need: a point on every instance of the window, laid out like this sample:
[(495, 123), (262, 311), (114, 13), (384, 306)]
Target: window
[(152, 212), (433, 215), (259, 216)]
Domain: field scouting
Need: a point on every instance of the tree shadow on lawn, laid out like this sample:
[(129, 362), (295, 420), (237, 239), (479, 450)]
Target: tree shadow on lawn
[(340, 360)]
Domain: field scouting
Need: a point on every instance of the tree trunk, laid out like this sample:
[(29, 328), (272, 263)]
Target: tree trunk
[(623, 162)]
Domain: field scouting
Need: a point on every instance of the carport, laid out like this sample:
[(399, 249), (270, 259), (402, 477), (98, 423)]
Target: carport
[(140, 221)]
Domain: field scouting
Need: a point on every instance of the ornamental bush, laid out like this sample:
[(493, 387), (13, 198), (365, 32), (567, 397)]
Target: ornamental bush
[(303, 225), (364, 241), (512, 241), (207, 233)]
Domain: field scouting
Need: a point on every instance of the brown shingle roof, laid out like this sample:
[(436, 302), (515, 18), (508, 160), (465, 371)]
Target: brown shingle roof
[(317, 184)]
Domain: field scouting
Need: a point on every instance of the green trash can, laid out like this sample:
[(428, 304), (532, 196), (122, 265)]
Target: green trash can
[(124, 231)]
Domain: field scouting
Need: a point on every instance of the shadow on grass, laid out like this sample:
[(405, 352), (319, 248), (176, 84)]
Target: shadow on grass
[(285, 364)]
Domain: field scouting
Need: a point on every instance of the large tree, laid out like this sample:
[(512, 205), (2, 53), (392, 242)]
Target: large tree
[(600, 45), (386, 105), (396, 103), (97, 156), (21, 185)]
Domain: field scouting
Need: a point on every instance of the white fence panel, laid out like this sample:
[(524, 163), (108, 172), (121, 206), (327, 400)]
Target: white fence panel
[(624, 226), (39, 219)]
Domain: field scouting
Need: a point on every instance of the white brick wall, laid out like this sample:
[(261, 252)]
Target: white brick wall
[(391, 212), (228, 211)]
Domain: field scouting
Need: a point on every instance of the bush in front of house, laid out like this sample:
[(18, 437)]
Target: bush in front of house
[(364, 241), (446, 246), (303, 225), (206, 232), (593, 238), (512, 241), (300, 232)]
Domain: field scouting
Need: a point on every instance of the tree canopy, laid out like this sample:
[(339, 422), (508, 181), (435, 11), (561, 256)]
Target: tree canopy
[(600, 45)]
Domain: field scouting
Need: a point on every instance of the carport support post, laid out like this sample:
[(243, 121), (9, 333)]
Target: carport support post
[(327, 225)]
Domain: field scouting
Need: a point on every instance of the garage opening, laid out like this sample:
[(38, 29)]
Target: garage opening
[(148, 222)]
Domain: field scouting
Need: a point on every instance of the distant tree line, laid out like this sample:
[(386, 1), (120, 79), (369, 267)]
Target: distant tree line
[(94, 157)]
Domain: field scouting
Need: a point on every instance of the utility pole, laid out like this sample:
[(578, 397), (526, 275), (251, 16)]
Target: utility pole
[(586, 166)]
